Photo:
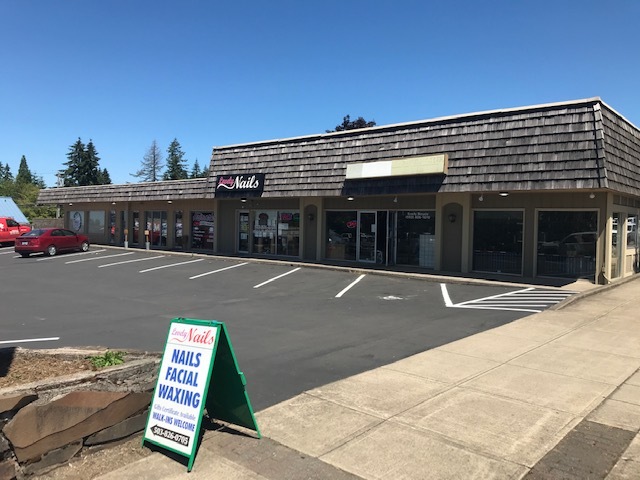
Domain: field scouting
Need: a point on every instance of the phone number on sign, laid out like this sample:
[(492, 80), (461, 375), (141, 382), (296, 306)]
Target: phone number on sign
[(171, 435)]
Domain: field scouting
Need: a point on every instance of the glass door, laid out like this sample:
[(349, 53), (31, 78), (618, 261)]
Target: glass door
[(243, 232), (367, 234)]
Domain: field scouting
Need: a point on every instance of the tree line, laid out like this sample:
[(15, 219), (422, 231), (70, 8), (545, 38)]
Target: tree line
[(23, 189)]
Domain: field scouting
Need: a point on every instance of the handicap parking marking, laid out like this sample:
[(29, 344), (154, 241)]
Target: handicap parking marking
[(278, 277), (218, 270), (530, 299), (130, 261)]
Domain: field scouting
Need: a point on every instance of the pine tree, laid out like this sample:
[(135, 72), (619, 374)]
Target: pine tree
[(24, 174), (196, 171), (74, 164), (82, 166), (175, 162), (151, 165), (103, 177)]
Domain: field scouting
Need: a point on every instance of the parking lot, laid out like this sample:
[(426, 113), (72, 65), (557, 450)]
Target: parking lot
[(292, 326)]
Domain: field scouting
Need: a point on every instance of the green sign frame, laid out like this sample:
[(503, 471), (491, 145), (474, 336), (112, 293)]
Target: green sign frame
[(198, 371)]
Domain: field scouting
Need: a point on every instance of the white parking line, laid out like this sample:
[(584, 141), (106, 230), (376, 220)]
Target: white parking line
[(27, 340), (276, 278), (170, 265), (100, 258), (219, 270), (72, 255), (129, 261), (9, 251), (345, 290)]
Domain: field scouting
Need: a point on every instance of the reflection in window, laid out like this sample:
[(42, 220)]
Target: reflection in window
[(276, 232), (632, 232), (416, 239), (96, 222), (202, 233), (340, 242), (567, 243), (497, 241)]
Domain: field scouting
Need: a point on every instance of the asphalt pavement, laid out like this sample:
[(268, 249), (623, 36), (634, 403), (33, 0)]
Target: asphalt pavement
[(554, 395)]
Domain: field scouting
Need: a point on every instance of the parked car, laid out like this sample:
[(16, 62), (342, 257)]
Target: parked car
[(50, 241), (10, 229), (573, 245)]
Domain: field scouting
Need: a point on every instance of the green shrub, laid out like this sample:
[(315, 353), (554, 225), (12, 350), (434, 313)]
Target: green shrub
[(107, 360)]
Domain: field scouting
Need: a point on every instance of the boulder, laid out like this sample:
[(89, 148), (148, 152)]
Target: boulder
[(121, 430), (16, 402), (38, 429)]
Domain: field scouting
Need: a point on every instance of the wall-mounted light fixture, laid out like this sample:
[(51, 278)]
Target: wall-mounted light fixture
[(504, 194), (70, 204), (113, 203), (395, 199), (481, 198), (452, 217), (592, 195), (310, 217), (169, 201), (243, 200), (351, 199)]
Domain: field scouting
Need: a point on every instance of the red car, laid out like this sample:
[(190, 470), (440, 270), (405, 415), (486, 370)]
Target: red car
[(50, 241)]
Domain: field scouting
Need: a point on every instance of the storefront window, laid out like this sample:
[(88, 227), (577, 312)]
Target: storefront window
[(567, 243), (202, 224), (178, 231), (289, 233), (112, 227), (275, 232), (341, 236), (497, 241), (96, 222), (76, 221), (135, 239), (416, 239), (157, 227)]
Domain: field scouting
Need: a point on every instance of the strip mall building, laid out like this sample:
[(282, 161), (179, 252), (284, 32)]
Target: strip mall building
[(546, 191)]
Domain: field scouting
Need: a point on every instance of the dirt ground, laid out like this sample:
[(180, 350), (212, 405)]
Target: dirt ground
[(20, 366)]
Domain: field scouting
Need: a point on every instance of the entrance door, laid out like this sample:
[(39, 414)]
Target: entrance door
[(367, 234), (243, 232)]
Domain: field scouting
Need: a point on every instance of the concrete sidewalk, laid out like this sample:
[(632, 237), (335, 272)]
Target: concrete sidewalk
[(555, 395)]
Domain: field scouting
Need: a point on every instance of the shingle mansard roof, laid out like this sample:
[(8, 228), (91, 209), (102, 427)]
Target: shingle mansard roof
[(583, 144)]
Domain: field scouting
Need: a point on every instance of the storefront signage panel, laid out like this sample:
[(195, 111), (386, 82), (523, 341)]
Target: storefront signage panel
[(424, 165), (252, 182), (198, 371)]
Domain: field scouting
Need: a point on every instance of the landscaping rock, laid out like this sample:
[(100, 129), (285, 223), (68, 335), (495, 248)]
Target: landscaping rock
[(8, 470), (121, 430), (54, 458), (38, 429), (15, 402)]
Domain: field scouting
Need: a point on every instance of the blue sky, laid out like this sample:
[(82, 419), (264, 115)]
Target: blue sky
[(126, 72)]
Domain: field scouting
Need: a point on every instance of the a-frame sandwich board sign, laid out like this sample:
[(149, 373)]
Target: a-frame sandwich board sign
[(198, 370)]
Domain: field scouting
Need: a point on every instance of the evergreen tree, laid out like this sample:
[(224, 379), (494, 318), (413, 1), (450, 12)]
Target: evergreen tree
[(103, 177), (348, 124), (24, 174), (151, 165), (196, 171), (82, 166), (175, 162), (5, 173), (74, 164)]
